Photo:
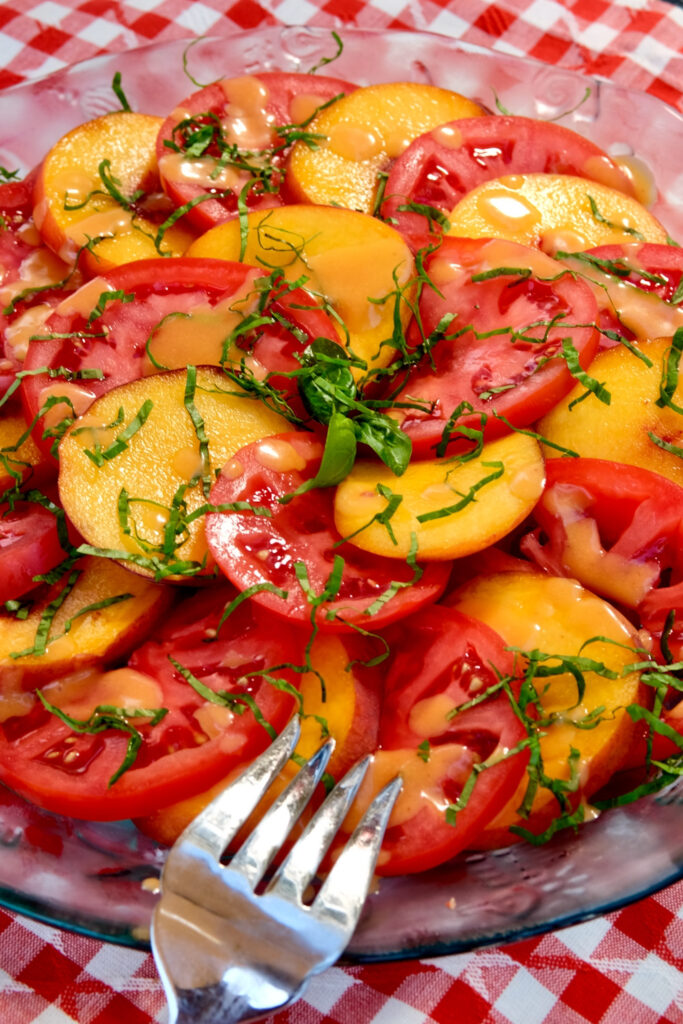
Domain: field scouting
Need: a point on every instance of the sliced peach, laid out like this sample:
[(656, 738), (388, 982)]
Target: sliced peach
[(74, 205), (556, 212), (348, 259), (364, 131), (20, 460), (348, 710), (107, 611), (158, 466), (624, 430), (535, 612), (488, 497)]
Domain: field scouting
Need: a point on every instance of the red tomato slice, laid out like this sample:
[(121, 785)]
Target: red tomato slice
[(650, 267), (445, 661), (438, 168), (246, 111), (195, 743), (20, 269), (114, 343), (266, 551), (618, 529), (480, 361), (29, 546)]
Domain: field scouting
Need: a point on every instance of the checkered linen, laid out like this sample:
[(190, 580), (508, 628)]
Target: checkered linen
[(625, 968)]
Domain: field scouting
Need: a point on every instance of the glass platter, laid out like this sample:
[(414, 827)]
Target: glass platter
[(101, 879)]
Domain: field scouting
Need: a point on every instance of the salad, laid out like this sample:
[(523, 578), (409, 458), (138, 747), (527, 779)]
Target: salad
[(353, 403)]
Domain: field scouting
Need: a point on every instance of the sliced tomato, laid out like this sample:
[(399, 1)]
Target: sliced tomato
[(445, 661), (27, 267), (185, 308), (501, 352), (237, 119), (192, 746), (655, 269), (289, 556), (29, 546), (618, 529), (438, 168)]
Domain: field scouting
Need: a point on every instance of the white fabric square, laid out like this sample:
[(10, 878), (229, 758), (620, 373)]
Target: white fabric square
[(391, 7), (544, 14), (52, 1015), (651, 54), (454, 964), (525, 1000), (144, 5), (100, 32), (198, 18), (598, 37), (655, 983), (295, 12), (49, 13), (449, 24), (9, 48), (115, 962), (327, 988), (583, 939), (394, 1010)]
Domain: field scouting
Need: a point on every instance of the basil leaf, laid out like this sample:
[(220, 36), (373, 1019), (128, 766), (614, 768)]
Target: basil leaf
[(338, 457), (384, 436)]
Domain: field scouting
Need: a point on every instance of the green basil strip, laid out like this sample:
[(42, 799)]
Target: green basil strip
[(337, 461), (120, 442), (669, 378), (441, 513)]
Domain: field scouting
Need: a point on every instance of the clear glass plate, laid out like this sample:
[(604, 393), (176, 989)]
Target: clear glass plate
[(100, 879)]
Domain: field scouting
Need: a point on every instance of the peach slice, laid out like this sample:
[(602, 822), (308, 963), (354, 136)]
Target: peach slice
[(349, 259), (532, 611), (158, 466), (25, 459), (73, 203), (624, 430), (364, 131), (103, 615), (556, 212), (349, 711), (489, 496)]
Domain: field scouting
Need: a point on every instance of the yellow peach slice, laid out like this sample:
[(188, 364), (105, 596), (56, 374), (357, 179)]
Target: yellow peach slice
[(535, 612), (626, 429), (342, 712), (19, 460), (474, 503), (556, 212), (363, 132), (158, 465), (105, 612), (354, 262), (73, 203)]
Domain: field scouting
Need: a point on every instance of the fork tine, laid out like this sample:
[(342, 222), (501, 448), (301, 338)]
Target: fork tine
[(345, 889), (302, 862), (257, 851), (218, 824)]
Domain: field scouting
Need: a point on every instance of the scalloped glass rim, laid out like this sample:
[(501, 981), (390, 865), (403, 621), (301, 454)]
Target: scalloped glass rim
[(100, 879)]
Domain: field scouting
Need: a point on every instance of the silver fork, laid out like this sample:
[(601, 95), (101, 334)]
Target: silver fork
[(227, 954)]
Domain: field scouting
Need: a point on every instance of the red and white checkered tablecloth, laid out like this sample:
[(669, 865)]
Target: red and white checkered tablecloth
[(625, 968)]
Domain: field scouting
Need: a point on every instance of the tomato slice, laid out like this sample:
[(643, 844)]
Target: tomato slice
[(159, 314), (236, 118), (29, 546), (295, 547), (502, 350), (192, 746), (650, 267), (618, 529), (445, 661), (438, 168)]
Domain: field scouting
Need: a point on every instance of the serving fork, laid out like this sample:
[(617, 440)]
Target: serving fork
[(227, 951)]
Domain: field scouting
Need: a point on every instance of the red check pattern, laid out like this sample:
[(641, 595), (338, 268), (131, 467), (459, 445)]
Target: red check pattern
[(625, 968)]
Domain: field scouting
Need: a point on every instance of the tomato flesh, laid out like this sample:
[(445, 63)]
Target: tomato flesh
[(29, 546), (501, 353), (294, 547), (192, 746), (259, 105), (438, 168)]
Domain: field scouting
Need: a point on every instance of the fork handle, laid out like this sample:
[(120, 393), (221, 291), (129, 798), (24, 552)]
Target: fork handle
[(213, 1005)]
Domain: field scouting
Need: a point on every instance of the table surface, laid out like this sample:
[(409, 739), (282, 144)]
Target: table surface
[(624, 968)]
